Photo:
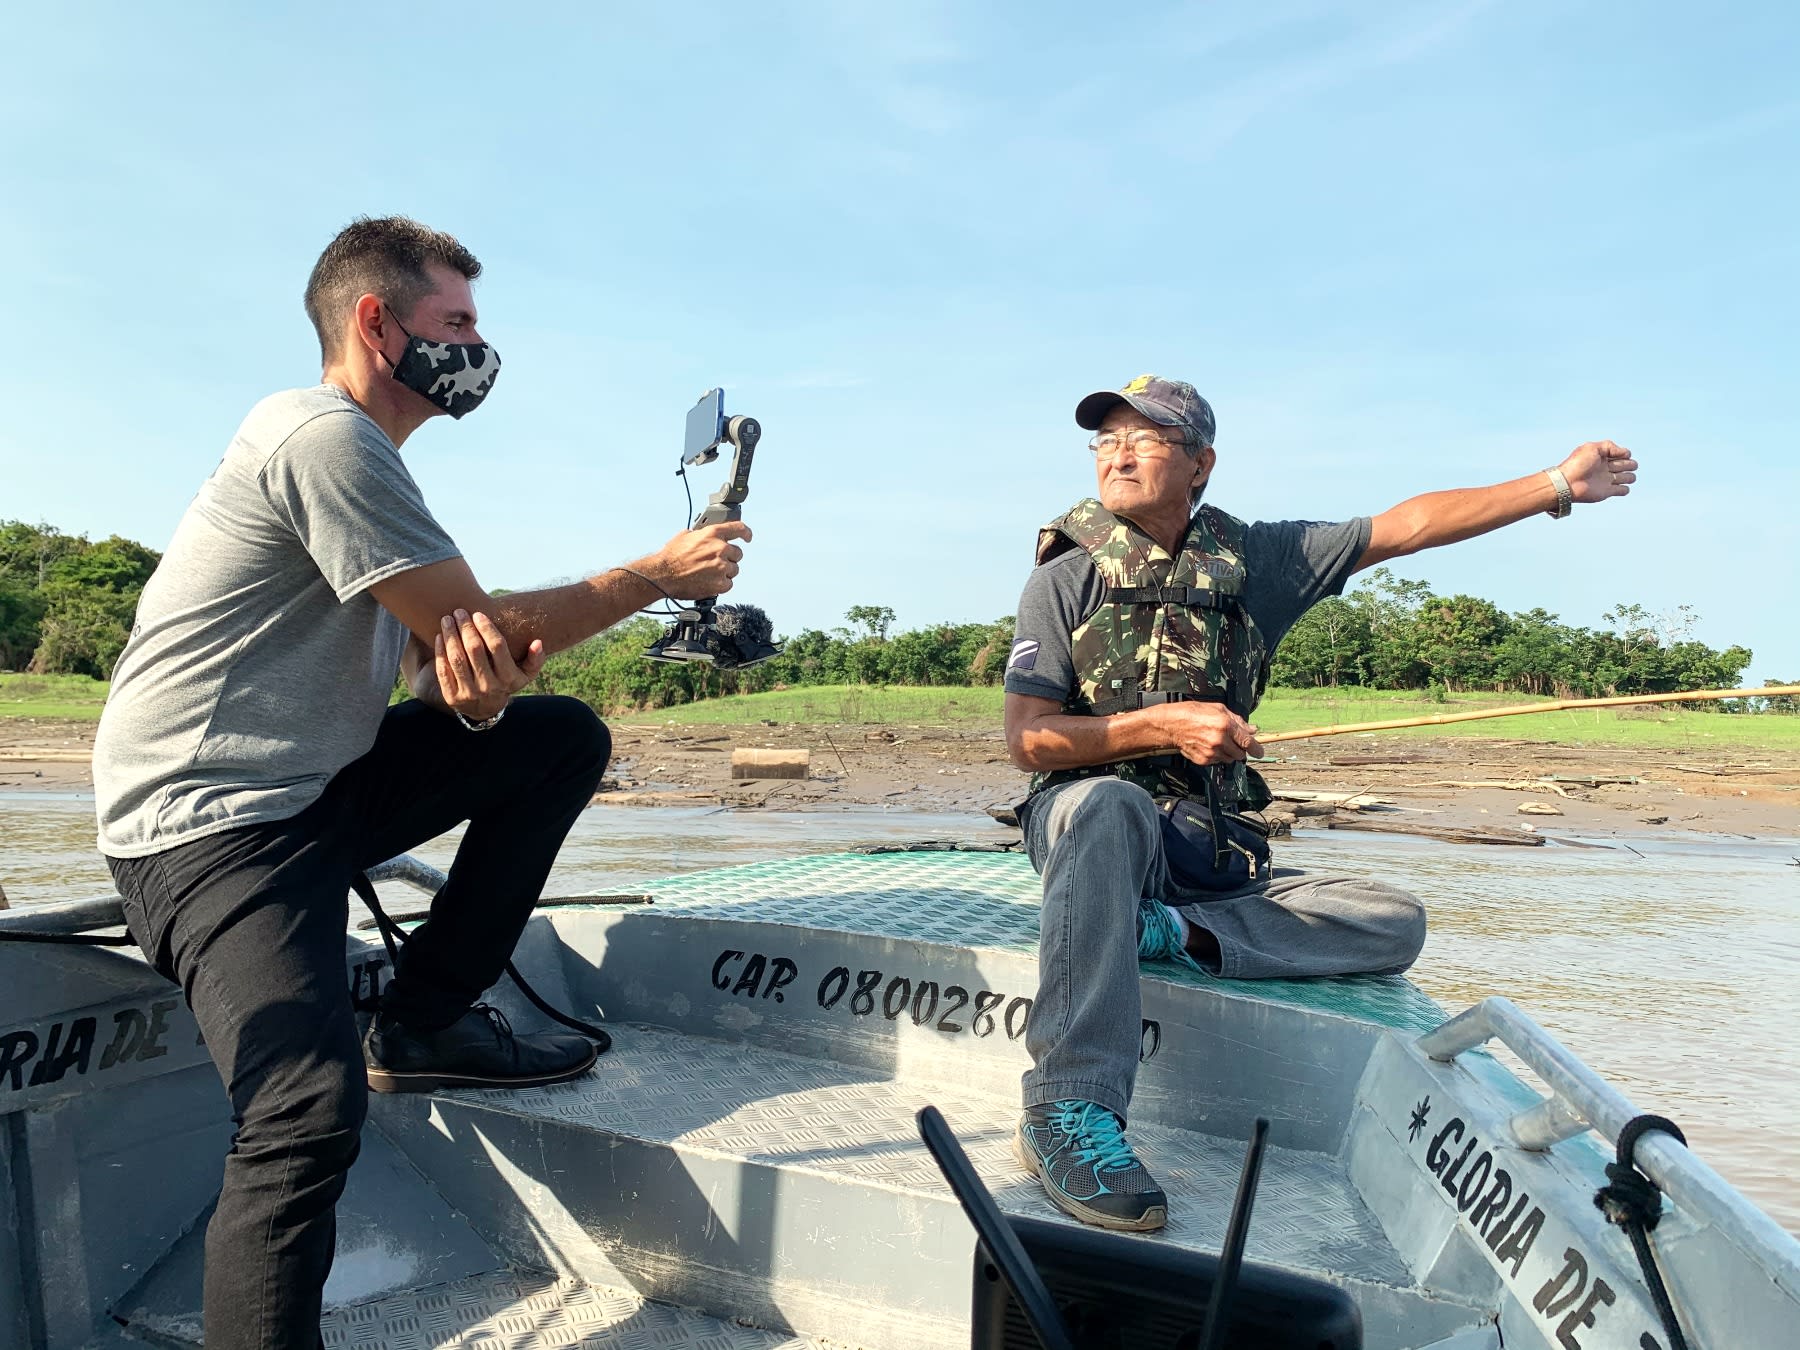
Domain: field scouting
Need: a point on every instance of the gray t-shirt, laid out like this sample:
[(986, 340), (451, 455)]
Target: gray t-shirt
[(259, 664), (1291, 566)]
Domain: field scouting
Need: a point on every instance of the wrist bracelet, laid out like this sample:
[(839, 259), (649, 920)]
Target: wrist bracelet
[(1565, 499), (486, 724)]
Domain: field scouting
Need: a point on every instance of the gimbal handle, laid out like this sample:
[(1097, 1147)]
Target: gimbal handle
[(742, 433)]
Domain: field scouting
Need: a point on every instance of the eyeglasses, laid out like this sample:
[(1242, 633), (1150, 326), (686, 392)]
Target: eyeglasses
[(1143, 444)]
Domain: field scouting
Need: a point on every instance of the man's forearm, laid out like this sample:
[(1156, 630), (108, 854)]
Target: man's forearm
[(1437, 518), (561, 616), (700, 561), (419, 670), (1069, 741)]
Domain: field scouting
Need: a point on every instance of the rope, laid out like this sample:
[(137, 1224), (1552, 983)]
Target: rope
[(392, 933), (1630, 1199)]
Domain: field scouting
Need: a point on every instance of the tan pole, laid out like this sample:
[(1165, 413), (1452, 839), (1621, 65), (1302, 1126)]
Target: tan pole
[(1519, 709)]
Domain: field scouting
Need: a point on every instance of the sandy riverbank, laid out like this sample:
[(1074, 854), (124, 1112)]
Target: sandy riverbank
[(1424, 783)]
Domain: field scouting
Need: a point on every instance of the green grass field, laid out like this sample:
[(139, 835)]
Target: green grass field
[(71, 696), (1282, 710), (77, 697), (833, 703)]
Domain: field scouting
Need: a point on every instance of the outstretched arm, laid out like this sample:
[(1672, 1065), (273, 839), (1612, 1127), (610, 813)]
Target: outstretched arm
[(694, 563), (1596, 471)]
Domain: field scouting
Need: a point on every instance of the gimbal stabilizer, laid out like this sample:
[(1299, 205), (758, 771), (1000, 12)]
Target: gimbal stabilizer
[(728, 636)]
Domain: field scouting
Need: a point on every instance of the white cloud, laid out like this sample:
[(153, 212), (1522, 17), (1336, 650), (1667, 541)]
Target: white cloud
[(1200, 127)]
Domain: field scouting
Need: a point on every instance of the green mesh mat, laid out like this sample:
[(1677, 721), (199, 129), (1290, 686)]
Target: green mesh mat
[(983, 900)]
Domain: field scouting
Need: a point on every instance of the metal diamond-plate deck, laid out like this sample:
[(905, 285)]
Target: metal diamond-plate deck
[(510, 1311), (982, 900), (788, 1111)]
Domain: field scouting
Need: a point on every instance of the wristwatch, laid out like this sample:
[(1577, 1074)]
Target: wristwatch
[(1565, 499), (487, 723)]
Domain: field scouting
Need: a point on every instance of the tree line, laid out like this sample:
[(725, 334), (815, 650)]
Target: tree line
[(66, 607), (66, 603), (1390, 633), (610, 673)]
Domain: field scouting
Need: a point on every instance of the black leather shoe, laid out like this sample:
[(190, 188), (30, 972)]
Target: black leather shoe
[(477, 1050)]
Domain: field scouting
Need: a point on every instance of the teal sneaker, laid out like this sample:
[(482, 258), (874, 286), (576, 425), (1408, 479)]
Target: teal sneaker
[(1078, 1151), (1159, 936)]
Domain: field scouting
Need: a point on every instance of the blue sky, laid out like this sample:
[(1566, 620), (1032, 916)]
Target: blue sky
[(1399, 247)]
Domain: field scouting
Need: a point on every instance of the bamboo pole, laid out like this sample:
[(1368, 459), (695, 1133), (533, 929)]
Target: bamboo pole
[(1519, 709)]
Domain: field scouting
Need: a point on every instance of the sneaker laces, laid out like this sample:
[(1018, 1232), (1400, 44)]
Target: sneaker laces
[(1159, 935), (1099, 1136)]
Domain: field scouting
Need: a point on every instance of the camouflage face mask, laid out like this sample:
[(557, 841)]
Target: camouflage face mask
[(456, 376)]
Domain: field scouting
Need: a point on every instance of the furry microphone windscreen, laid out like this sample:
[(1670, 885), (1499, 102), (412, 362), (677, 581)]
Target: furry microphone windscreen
[(747, 625)]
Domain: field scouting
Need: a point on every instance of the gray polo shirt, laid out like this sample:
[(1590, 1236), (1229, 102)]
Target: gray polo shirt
[(259, 664), (1290, 566)]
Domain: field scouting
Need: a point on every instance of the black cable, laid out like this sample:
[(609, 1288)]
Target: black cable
[(651, 581), (391, 933), (601, 1039), (1631, 1200)]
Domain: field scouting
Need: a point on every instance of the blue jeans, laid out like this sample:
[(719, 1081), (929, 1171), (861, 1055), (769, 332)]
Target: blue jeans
[(251, 924), (1097, 842)]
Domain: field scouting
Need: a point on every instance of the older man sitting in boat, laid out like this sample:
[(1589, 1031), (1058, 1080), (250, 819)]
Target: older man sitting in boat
[(1143, 644)]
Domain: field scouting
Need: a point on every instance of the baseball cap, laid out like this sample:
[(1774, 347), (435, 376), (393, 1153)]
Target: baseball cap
[(1169, 403)]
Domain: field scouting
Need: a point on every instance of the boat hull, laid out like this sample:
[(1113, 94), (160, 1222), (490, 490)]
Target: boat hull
[(746, 1152)]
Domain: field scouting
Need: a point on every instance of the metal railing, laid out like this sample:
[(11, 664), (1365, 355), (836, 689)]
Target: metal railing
[(65, 917), (1581, 1100), (409, 869), (84, 916)]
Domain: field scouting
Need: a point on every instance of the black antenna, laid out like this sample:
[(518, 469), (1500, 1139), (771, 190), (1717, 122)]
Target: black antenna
[(1231, 1256), (995, 1232)]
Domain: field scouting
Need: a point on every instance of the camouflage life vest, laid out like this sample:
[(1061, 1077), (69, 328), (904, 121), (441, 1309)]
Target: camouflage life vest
[(1167, 628)]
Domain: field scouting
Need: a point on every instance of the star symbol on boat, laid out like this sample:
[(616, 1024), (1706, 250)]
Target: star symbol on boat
[(1420, 1114)]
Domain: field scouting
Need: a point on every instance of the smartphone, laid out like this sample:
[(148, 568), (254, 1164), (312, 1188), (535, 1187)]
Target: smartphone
[(705, 428)]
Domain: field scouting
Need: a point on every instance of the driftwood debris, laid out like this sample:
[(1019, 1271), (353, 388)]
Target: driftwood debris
[(1446, 833), (1723, 771), (1310, 809), (843, 768), (1510, 784), (628, 797), (1350, 801)]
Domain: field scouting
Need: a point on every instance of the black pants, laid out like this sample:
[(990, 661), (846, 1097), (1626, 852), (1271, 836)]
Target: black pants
[(251, 924)]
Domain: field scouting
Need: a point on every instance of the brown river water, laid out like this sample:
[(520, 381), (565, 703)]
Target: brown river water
[(1672, 967)]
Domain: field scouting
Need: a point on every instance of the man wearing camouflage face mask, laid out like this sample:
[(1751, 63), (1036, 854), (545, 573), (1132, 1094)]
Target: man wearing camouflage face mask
[(248, 765)]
